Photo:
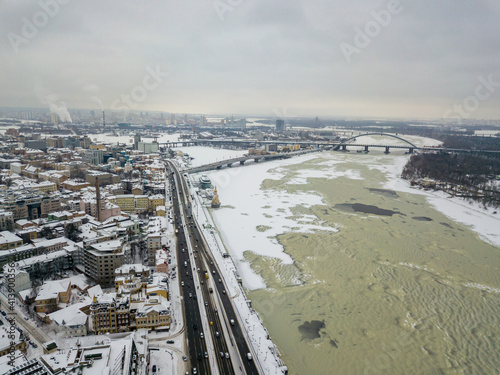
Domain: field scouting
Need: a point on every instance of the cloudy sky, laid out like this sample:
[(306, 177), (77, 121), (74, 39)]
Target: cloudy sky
[(418, 59)]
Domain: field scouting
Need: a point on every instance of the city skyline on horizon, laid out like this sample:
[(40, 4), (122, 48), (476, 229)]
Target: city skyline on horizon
[(257, 116)]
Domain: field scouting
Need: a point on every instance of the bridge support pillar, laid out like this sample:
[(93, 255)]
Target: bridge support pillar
[(344, 147), (242, 162), (229, 165), (410, 150), (256, 160), (219, 167), (386, 150), (366, 148)]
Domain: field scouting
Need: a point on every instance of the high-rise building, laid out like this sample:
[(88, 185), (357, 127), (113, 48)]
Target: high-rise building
[(94, 157), (54, 118), (137, 139), (280, 125), (102, 259), (242, 123)]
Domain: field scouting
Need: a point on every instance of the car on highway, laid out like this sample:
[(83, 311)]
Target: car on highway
[(223, 292), (184, 358), (170, 341), (227, 355), (220, 280), (249, 356), (217, 334), (182, 283), (195, 371), (206, 303), (190, 295), (201, 335), (222, 354)]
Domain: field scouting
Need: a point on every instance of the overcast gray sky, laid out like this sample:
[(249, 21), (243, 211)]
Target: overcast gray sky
[(263, 57)]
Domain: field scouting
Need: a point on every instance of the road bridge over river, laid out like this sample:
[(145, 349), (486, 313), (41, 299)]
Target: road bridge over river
[(308, 147)]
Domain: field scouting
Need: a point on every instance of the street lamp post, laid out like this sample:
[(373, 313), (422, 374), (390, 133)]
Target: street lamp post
[(172, 356)]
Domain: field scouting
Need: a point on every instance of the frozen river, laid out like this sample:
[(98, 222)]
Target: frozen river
[(353, 272)]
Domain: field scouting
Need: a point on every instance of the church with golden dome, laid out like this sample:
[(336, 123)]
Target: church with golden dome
[(215, 199)]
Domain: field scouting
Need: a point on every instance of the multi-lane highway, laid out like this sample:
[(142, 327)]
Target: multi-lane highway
[(210, 291), (196, 343)]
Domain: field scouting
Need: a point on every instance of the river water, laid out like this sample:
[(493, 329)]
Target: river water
[(392, 287)]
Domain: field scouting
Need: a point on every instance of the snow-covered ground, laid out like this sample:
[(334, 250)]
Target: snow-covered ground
[(205, 155), (484, 221)]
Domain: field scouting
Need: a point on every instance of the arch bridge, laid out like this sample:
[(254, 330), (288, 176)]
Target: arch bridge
[(343, 145)]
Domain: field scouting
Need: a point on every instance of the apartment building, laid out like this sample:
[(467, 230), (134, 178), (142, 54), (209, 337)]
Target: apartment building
[(9, 240), (110, 314), (102, 259), (153, 243), (131, 202), (52, 293), (6, 220), (28, 205), (155, 201)]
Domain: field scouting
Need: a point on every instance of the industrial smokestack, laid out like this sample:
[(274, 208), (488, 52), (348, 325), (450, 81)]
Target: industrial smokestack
[(98, 198)]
